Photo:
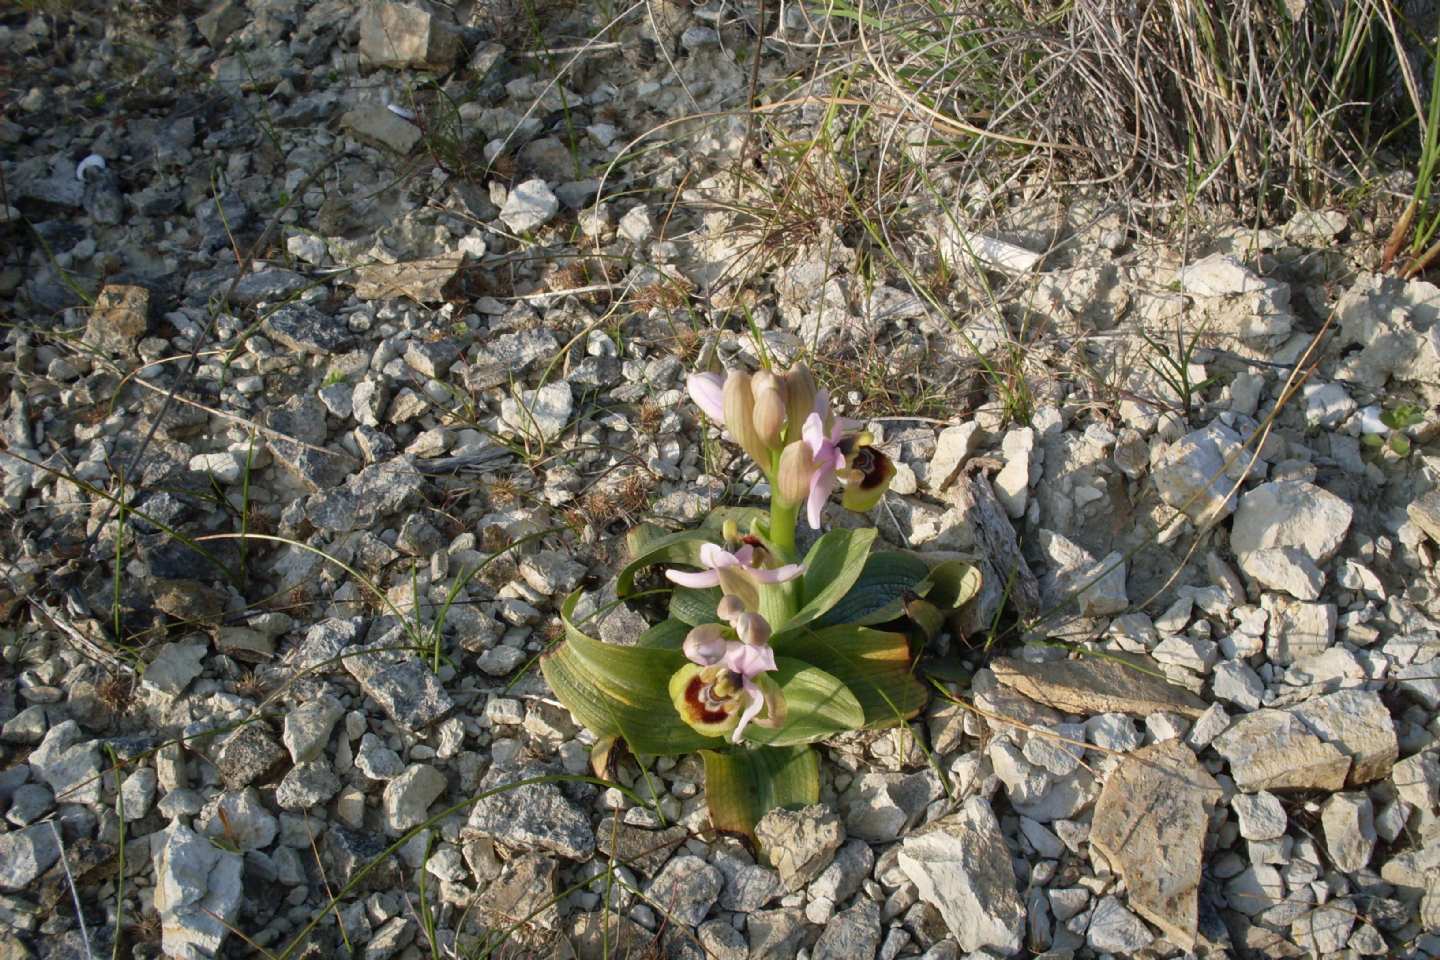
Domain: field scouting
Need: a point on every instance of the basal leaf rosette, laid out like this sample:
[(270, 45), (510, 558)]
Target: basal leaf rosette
[(765, 651)]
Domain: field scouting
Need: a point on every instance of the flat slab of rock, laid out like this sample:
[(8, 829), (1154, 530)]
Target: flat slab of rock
[(1341, 738), (1150, 823), (1116, 683), (407, 35), (422, 280), (119, 318), (961, 867), (534, 816)]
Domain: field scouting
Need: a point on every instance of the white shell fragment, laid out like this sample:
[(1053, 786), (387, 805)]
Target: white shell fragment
[(92, 162)]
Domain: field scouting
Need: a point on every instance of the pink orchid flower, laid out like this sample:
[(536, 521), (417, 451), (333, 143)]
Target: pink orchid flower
[(745, 561), (726, 688)]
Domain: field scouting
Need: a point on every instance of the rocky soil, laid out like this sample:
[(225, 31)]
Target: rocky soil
[(345, 342)]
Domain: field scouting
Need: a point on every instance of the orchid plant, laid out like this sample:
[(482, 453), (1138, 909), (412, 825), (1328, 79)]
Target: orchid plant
[(765, 651)]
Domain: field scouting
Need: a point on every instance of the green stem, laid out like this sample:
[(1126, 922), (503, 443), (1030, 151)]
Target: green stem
[(782, 529)]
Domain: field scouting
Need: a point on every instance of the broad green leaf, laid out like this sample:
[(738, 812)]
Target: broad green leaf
[(873, 664), (647, 547), (952, 584), (832, 566), (623, 691), (876, 596), (817, 706), (665, 635), (694, 607), (741, 786), (615, 690)]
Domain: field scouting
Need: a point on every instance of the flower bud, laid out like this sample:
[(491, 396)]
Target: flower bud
[(768, 391), (797, 466), (799, 399), (740, 418)]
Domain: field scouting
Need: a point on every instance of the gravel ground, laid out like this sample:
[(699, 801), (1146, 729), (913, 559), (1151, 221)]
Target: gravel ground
[(346, 342)]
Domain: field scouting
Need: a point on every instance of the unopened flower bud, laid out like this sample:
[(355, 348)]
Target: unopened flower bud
[(799, 399), (796, 467), (740, 418), (769, 397)]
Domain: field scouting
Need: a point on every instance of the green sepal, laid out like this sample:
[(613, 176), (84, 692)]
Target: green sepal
[(875, 665), (741, 786)]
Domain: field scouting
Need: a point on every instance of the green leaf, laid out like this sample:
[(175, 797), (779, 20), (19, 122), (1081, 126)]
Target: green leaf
[(741, 786), (665, 635), (832, 566), (694, 607), (877, 594), (873, 664), (952, 584), (1373, 440), (1400, 444), (620, 691), (817, 705), (648, 546)]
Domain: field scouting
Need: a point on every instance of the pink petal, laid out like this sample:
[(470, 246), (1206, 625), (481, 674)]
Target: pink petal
[(820, 486), (779, 574), (705, 645), (745, 556), (822, 404), (700, 579), (749, 660), (708, 392), (757, 700), (715, 556), (813, 433)]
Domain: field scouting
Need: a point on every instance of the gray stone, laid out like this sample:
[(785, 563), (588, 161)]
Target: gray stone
[(534, 815), (1349, 823), (524, 892), (1298, 630), (1150, 823), (407, 798), (551, 572), (137, 792), (1255, 889), (422, 279), (268, 286), (1285, 568), (306, 785), (961, 866), (853, 934), (1113, 929), (1290, 513), (1260, 815), (1325, 930), (881, 806), (239, 820), (308, 726), (1273, 750), (1120, 683), (800, 843), (249, 755), (840, 881), (722, 941), (408, 35), (69, 765), (198, 892), (529, 206), (539, 414), (1359, 723), (174, 666), (376, 125), (685, 889), (25, 855), (410, 694), (952, 448), (776, 933), (27, 727), (119, 319), (307, 330), (1191, 474), (345, 852), (377, 761), (1236, 682)]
